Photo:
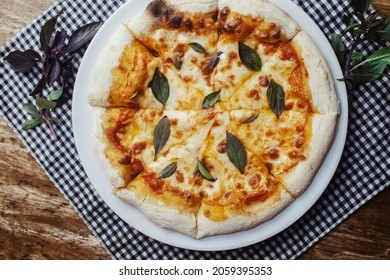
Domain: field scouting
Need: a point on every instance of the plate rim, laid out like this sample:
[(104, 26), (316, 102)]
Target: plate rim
[(82, 130)]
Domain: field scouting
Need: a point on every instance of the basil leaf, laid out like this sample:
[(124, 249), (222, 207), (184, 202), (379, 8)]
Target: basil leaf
[(47, 32), (59, 41), (211, 99), (161, 135), (382, 54), (56, 94), (30, 124), (22, 62), (197, 47), (160, 87), (204, 172), (54, 72), (43, 103), (236, 152), (369, 72), (276, 98), (31, 109), (82, 36), (338, 47), (249, 57), (361, 5), (357, 57), (169, 170), (178, 63), (250, 119), (214, 60)]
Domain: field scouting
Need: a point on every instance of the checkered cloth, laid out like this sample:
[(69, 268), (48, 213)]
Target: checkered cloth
[(362, 172)]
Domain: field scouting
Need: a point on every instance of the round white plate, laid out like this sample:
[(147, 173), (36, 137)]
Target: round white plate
[(82, 128)]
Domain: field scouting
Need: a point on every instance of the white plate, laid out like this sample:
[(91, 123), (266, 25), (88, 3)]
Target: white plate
[(82, 127)]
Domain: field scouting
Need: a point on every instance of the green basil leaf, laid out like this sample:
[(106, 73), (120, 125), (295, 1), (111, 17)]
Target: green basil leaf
[(236, 152), (369, 72), (30, 124), (56, 94), (161, 135), (197, 47), (168, 171), (276, 98), (211, 99), (160, 87), (204, 172), (31, 109), (357, 57), (44, 103), (338, 47), (249, 57), (382, 54), (250, 119)]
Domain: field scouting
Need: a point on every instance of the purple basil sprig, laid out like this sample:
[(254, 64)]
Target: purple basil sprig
[(56, 68)]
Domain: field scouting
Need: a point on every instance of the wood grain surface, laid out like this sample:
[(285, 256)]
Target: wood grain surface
[(36, 222)]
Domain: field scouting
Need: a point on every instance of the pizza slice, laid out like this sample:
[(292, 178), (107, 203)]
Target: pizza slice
[(248, 37), (166, 192), (127, 140), (298, 73), (183, 34), (292, 147), (128, 75), (240, 192)]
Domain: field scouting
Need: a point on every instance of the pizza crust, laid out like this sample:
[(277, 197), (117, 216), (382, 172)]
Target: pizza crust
[(259, 214), (98, 94), (99, 146), (159, 213), (269, 12), (322, 130), (145, 22), (320, 79)]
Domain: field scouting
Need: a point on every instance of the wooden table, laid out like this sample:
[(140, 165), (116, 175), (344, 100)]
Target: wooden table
[(36, 222)]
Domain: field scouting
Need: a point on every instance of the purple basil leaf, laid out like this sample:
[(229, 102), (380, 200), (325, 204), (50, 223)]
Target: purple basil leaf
[(47, 32), (59, 42), (67, 71), (23, 61), (54, 72), (39, 87), (82, 36)]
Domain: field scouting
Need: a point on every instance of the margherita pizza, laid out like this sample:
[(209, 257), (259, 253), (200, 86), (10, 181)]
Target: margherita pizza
[(211, 116)]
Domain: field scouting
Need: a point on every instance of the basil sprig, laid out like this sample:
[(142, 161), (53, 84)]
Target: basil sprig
[(249, 57), (56, 68), (161, 135), (276, 98), (160, 87), (236, 152), (363, 25)]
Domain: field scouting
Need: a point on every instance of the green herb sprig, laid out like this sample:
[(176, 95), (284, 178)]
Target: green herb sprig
[(55, 62), (364, 25)]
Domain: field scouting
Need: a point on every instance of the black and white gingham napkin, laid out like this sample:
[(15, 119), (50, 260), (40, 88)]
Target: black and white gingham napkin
[(362, 172)]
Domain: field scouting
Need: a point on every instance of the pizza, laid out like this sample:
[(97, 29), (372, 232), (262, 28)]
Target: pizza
[(211, 117)]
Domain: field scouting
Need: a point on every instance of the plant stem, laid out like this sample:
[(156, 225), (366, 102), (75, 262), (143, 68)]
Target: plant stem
[(49, 123)]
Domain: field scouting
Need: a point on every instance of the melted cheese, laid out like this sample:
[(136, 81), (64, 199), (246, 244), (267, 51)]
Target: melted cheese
[(280, 143)]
